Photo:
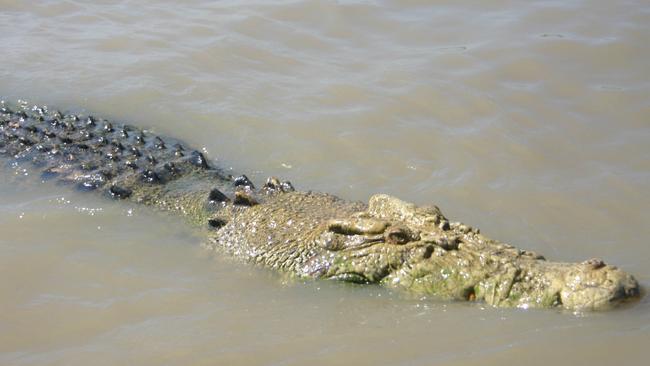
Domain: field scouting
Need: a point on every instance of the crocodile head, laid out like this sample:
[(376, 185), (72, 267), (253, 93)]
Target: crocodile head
[(401, 245)]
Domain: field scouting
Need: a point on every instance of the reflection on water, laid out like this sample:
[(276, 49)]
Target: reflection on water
[(528, 120)]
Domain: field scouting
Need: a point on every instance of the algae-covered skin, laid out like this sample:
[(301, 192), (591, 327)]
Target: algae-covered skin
[(314, 235)]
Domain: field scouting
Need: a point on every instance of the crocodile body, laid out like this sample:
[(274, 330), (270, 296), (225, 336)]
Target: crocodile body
[(387, 241)]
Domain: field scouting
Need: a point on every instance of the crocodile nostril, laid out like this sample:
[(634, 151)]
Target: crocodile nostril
[(632, 292)]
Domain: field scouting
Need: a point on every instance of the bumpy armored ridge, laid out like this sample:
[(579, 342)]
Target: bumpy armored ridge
[(388, 241)]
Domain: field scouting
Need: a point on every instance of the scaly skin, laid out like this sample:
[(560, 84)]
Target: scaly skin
[(388, 241)]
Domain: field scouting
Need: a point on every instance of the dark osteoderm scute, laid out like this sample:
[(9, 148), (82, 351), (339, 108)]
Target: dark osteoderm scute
[(387, 241), (95, 154), (124, 162)]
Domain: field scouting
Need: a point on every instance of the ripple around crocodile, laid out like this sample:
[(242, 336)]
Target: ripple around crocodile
[(387, 241)]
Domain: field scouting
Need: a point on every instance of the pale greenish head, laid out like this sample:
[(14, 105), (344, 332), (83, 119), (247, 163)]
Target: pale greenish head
[(401, 245)]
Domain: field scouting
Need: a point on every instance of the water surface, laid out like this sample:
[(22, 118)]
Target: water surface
[(527, 119)]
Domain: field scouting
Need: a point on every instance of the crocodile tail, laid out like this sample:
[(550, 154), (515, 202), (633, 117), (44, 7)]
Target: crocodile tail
[(116, 160)]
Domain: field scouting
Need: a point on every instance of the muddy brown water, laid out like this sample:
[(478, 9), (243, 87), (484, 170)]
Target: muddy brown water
[(527, 119)]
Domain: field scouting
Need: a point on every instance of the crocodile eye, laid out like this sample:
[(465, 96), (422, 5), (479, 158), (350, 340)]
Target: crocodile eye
[(397, 235)]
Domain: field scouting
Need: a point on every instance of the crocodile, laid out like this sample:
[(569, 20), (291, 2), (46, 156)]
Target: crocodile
[(306, 234)]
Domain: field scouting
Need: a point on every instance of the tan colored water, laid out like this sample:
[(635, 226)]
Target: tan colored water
[(530, 120)]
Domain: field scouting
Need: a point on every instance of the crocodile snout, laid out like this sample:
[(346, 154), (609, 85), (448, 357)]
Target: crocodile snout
[(593, 285)]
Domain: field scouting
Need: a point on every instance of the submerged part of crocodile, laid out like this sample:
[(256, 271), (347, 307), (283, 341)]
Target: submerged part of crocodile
[(388, 241)]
